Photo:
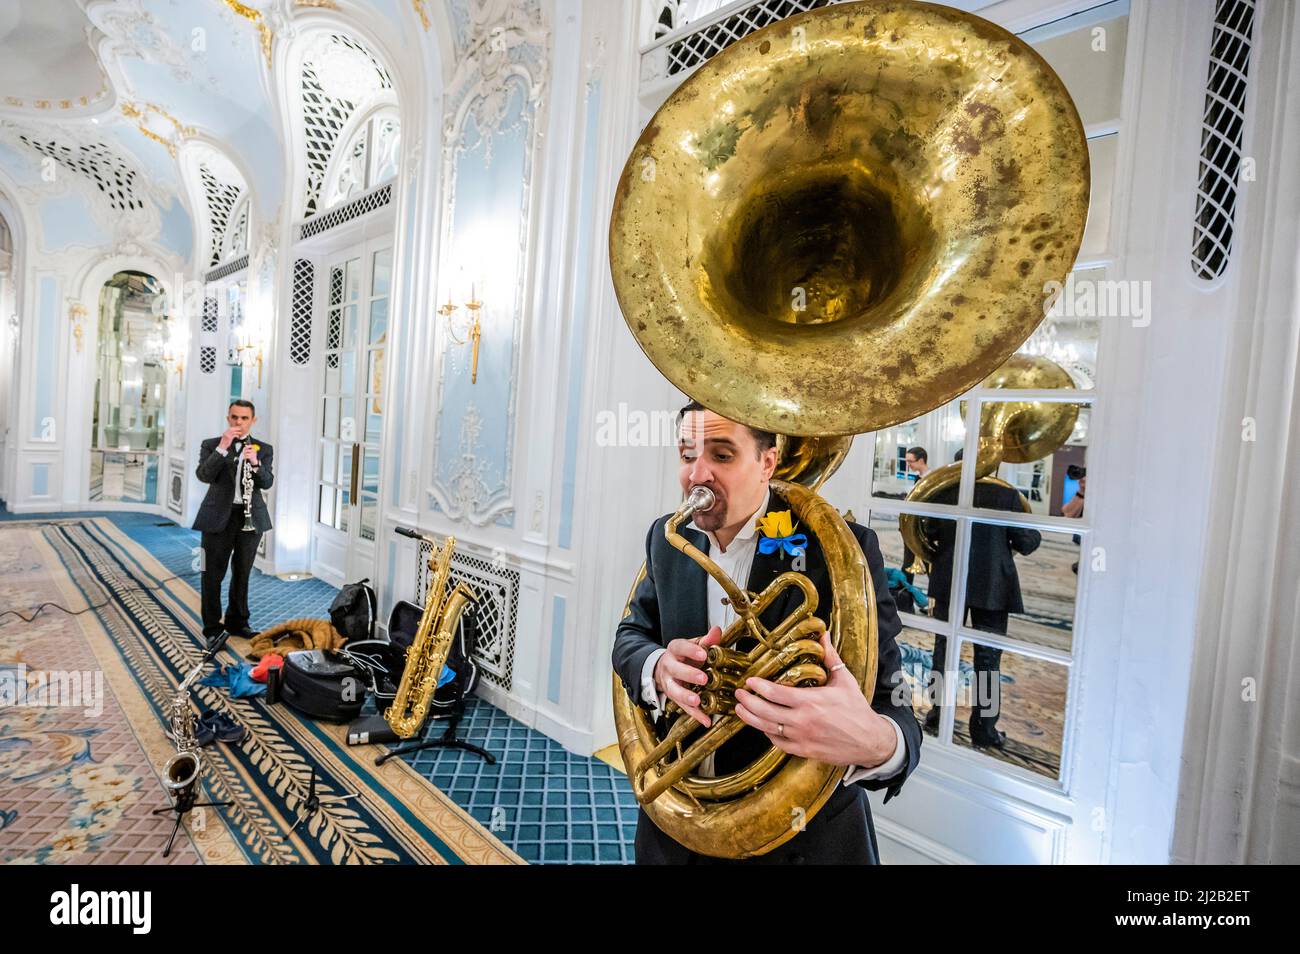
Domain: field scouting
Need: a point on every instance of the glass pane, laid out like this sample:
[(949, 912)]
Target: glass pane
[(341, 522), (347, 419), (369, 515), (383, 272), (1071, 331), (1024, 582), (344, 474), (328, 501), (916, 646), (330, 419), (905, 452), (378, 320), (910, 588), (374, 428), (329, 461), (370, 471), (1055, 439), (352, 287), (347, 382), (332, 378), (349, 326), (375, 377), (1012, 707)]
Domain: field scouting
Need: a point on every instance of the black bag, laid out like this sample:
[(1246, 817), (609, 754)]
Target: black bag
[(323, 685), (404, 620), (382, 663), (353, 611)]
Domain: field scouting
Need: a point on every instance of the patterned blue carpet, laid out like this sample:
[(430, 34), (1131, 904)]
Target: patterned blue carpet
[(547, 804)]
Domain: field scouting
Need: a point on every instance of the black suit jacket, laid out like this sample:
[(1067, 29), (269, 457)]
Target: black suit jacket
[(670, 603), (992, 582), (218, 472)]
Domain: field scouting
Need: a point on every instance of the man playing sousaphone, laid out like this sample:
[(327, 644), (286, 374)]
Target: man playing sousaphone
[(658, 651)]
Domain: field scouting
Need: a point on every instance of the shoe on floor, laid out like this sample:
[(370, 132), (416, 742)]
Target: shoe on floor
[(223, 727), (986, 740), (203, 733)]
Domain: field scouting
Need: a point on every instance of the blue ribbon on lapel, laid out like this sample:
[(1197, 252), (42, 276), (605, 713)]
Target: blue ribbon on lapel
[(793, 544)]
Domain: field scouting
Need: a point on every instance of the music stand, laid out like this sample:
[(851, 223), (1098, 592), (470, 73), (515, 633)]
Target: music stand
[(312, 803)]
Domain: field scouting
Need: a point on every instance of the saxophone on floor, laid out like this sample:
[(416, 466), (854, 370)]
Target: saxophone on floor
[(836, 224), (427, 653)]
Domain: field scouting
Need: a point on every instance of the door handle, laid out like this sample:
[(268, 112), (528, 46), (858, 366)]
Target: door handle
[(356, 466)]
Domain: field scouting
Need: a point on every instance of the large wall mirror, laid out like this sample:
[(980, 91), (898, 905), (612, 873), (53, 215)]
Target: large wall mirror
[(129, 416)]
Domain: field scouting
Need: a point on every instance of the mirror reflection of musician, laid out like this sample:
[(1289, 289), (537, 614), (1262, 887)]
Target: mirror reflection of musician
[(992, 595), (221, 517), (879, 740)]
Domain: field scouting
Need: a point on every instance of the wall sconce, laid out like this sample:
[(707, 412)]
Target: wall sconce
[(474, 331), (173, 362), (245, 352), (77, 312)]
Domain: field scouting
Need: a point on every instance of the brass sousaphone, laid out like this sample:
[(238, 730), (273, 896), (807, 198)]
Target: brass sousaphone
[(838, 223)]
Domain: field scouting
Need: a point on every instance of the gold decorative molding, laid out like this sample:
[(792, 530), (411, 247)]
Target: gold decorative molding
[(319, 4), (78, 314), (142, 113), (43, 104), (255, 17), (422, 13)]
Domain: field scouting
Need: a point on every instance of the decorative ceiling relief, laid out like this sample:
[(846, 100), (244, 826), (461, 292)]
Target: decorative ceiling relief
[(50, 66), (157, 124), (124, 203), (133, 32), (492, 131)]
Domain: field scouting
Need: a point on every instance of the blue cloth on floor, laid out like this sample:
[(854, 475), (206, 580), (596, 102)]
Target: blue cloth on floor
[(446, 676), (897, 580), (237, 678)]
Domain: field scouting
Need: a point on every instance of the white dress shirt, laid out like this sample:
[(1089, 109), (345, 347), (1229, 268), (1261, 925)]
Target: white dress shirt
[(736, 561)]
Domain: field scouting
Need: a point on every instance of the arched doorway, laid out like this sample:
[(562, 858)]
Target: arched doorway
[(136, 350)]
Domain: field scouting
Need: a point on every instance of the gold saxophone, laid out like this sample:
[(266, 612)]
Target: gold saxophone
[(428, 652), (837, 223)]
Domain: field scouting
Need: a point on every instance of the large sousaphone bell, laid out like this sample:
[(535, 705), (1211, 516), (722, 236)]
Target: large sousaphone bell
[(838, 223)]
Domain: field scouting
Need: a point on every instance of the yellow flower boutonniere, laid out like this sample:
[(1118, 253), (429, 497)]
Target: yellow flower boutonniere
[(777, 528)]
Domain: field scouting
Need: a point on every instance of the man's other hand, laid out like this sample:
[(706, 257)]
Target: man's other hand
[(832, 723)]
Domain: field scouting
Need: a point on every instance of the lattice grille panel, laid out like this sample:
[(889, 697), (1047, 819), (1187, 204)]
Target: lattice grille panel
[(232, 266), (207, 359), (100, 164), (690, 51), (372, 200), (497, 609), (1222, 128), (221, 198), (304, 274), (209, 322)]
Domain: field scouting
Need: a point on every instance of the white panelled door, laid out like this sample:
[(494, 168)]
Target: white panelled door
[(351, 412)]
